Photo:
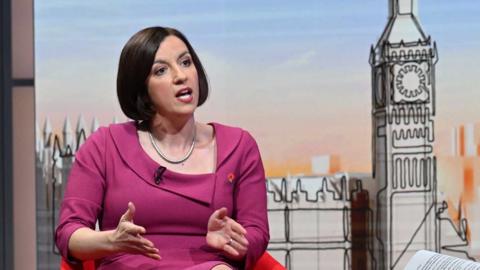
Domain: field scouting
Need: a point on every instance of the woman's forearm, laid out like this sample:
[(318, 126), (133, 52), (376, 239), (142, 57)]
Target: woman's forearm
[(87, 244)]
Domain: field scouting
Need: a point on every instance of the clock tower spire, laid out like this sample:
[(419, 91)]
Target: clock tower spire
[(403, 109), (403, 23), (403, 7)]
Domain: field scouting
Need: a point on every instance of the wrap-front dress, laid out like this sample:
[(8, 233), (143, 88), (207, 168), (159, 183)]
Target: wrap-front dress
[(112, 169)]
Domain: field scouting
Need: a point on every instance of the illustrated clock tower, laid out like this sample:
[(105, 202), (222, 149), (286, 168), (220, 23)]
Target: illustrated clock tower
[(404, 167)]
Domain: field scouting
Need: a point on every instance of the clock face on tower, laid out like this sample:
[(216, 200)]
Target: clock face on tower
[(410, 83)]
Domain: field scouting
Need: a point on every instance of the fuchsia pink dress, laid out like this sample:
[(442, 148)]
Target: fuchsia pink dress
[(112, 169)]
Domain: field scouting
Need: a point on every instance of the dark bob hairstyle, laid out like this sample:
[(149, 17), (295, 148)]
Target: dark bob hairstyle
[(134, 67)]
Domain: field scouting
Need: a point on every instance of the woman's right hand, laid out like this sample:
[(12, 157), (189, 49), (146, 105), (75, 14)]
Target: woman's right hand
[(127, 237)]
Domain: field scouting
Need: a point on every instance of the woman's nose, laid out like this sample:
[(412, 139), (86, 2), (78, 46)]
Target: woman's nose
[(179, 76)]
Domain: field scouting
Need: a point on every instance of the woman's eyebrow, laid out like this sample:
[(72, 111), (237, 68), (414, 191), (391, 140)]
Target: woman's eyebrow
[(183, 53), (161, 61)]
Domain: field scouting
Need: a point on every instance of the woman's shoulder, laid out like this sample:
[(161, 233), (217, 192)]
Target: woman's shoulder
[(234, 136), (103, 133), (227, 129), (128, 125)]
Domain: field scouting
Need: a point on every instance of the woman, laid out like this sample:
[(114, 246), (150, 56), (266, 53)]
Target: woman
[(168, 192)]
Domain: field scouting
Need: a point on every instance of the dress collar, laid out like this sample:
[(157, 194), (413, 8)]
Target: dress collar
[(199, 187)]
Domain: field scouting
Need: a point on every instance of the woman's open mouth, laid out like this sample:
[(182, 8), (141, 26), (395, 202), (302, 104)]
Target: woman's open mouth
[(185, 95)]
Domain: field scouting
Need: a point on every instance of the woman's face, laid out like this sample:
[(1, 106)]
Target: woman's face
[(173, 82)]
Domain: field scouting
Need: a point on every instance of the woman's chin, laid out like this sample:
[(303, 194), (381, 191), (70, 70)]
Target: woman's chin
[(184, 112)]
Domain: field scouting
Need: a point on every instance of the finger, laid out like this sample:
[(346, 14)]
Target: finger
[(133, 240), (242, 240), (147, 242), (140, 244), (140, 241), (230, 250), (152, 253), (133, 229), (236, 243), (238, 246), (221, 213), (153, 256), (128, 215), (146, 251), (150, 250), (236, 227)]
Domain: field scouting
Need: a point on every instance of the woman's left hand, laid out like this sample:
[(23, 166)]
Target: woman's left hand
[(226, 234)]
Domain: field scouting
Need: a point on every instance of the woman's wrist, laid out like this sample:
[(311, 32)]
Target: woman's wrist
[(88, 244), (109, 241)]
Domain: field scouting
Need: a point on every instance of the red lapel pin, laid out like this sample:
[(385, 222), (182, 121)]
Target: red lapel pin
[(230, 177)]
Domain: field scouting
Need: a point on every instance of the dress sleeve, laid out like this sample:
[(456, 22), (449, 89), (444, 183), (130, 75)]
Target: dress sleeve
[(250, 199), (82, 201)]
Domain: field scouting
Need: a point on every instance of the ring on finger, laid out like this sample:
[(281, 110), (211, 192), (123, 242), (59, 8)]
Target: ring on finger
[(230, 242)]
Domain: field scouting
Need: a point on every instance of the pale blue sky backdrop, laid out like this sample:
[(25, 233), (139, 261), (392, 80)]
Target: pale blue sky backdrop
[(294, 73)]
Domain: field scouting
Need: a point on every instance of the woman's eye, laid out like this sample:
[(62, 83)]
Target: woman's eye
[(160, 71), (186, 62)]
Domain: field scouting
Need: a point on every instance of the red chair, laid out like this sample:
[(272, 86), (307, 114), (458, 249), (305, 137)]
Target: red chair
[(87, 265), (266, 262)]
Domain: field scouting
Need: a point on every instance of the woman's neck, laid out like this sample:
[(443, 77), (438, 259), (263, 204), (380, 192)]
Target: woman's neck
[(173, 134)]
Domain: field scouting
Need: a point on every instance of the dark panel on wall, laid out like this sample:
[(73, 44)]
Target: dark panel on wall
[(6, 187)]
